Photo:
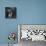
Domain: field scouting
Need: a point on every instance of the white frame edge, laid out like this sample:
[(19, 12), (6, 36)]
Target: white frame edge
[(18, 33)]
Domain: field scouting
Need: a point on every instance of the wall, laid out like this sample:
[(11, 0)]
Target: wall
[(28, 12)]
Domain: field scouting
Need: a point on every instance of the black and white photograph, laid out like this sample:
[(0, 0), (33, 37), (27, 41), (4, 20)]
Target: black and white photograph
[(31, 34), (10, 12)]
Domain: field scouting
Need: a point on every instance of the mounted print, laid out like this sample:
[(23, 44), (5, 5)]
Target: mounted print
[(10, 12), (32, 32)]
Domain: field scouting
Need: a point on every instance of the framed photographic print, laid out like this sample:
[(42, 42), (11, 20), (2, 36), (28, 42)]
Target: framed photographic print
[(10, 12), (32, 32)]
